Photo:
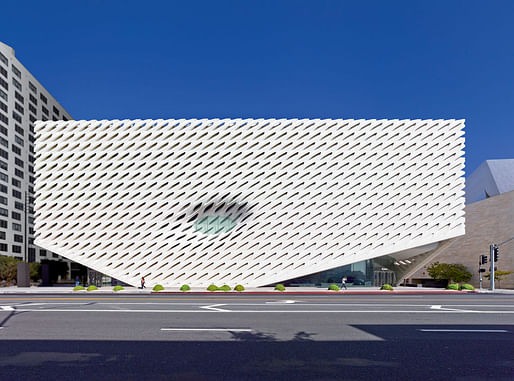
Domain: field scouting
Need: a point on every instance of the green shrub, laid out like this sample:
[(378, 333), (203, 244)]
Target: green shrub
[(225, 288), (467, 286), (387, 287), (92, 288), (78, 288), (333, 287), (212, 288), (280, 287), (118, 288), (157, 287), (453, 286), (185, 288), (239, 288)]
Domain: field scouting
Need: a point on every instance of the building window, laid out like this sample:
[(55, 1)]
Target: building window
[(31, 159), (43, 98), (4, 165), (4, 119), (4, 177), (16, 149), (16, 117), (32, 253), (3, 95), (3, 130), (32, 87), (18, 108), (18, 205), (16, 249), (16, 215), (18, 162), (31, 220), (3, 107), (16, 227), (2, 235), (3, 224), (3, 71), (16, 183), (32, 118), (4, 59), (4, 142), (4, 154), (32, 179), (16, 71), (45, 110), (32, 109), (4, 212), (32, 139), (3, 188), (31, 230), (18, 238), (19, 97), (55, 255), (56, 110), (33, 99), (16, 194), (3, 247), (16, 84), (3, 200), (19, 130), (4, 84), (42, 252), (19, 140), (19, 173)]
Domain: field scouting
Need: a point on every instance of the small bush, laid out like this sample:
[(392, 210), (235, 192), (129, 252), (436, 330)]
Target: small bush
[(387, 287), (212, 288), (467, 286), (453, 286), (239, 288), (185, 288), (92, 288), (158, 287), (225, 288), (333, 287), (118, 288), (78, 288), (280, 287)]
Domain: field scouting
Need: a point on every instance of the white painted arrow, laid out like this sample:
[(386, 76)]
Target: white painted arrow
[(7, 308), (214, 308), (282, 302)]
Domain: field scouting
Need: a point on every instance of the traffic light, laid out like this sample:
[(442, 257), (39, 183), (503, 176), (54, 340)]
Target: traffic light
[(483, 259), (495, 252)]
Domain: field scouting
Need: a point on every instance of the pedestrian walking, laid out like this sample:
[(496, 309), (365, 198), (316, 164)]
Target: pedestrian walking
[(343, 283), (143, 282)]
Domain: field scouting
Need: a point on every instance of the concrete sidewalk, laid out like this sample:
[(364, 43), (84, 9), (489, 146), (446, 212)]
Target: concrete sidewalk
[(250, 290)]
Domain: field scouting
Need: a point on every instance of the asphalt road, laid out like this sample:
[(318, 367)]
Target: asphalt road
[(257, 337)]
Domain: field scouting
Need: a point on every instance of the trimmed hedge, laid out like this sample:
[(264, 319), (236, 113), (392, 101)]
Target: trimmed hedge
[(280, 287), (239, 288), (387, 287), (118, 288), (225, 288), (78, 288), (92, 288), (333, 287), (158, 287), (185, 288), (453, 286), (467, 286), (212, 288)]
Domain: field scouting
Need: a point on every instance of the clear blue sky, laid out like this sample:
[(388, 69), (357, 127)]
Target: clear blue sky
[(295, 59)]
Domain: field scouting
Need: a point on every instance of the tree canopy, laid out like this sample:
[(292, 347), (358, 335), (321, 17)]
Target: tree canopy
[(452, 272)]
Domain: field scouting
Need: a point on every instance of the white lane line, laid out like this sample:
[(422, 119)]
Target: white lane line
[(209, 329), (7, 308), (213, 308), (440, 308), (463, 330), (282, 302)]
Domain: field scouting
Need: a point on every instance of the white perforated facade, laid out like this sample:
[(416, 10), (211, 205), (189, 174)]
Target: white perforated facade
[(250, 201)]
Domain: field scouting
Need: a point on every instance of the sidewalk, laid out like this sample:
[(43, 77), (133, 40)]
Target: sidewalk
[(250, 290)]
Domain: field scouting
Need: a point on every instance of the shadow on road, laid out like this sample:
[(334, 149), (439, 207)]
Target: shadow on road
[(404, 354)]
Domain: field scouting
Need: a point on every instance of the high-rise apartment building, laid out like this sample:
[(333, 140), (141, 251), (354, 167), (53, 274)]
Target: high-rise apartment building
[(23, 100)]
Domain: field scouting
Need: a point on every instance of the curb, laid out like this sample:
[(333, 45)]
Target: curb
[(311, 292)]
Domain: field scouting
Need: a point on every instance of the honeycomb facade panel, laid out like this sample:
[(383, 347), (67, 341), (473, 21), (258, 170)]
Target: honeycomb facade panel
[(250, 201)]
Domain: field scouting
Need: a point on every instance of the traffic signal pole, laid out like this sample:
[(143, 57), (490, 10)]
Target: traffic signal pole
[(492, 250)]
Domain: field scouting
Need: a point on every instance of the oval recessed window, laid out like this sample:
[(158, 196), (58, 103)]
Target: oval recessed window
[(214, 224)]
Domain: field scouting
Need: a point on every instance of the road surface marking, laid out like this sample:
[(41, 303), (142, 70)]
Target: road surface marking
[(281, 302), (213, 308), (209, 329), (7, 308), (440, 308), (463, 330)]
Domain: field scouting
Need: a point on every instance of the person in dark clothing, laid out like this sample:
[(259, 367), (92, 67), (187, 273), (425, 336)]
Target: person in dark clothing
[(143, 282), (343, 283)]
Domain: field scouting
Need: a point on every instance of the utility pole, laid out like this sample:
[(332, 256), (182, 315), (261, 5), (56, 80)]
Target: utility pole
[(492, 250), (25, 233)]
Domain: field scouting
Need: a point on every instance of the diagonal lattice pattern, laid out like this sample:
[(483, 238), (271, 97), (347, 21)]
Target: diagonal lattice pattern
[(251, 201)]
